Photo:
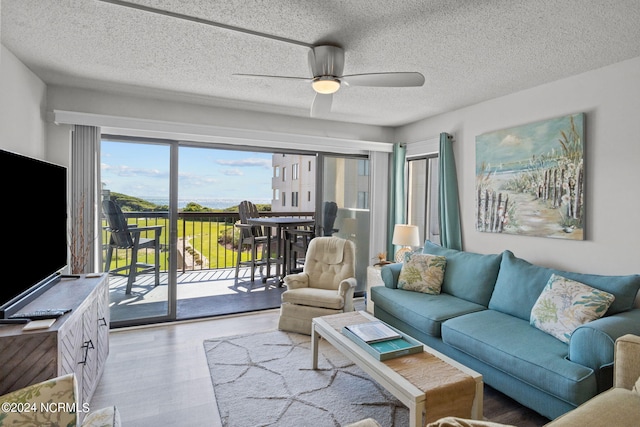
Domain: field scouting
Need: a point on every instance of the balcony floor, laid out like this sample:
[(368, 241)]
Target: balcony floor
[(200, 294)]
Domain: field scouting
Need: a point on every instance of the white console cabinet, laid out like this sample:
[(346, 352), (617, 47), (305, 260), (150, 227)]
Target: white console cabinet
[(77, 342)]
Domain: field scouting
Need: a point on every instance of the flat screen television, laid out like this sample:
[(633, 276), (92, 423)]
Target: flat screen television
[(34, 228)]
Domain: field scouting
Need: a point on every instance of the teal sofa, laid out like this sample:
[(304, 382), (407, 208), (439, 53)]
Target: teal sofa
[(481, 319)]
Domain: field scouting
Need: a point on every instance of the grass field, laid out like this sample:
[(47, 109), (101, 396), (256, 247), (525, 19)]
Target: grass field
[(204, 236)]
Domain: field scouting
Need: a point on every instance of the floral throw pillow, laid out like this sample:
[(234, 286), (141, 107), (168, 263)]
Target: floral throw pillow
[(565, 304), (422, 273)]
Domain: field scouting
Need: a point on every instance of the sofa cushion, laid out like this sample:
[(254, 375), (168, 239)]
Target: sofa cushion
[(511, 345), (520, 283), (422, 273), (565, 304), (468, 275), (424, 312)]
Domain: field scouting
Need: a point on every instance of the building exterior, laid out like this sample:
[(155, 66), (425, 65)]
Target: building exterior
[(293, 183)]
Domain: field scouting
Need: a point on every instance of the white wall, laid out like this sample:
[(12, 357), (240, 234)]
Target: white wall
[(22, 107), (610, 97), (199, 115)]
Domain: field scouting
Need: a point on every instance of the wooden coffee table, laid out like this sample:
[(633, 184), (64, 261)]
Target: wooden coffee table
[(430, 384)]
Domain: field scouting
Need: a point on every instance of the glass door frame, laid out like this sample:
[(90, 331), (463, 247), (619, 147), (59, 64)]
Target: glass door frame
[(171, 313), (320, 194)]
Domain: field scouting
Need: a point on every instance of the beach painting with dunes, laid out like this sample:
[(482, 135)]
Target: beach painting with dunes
[(530, 179)]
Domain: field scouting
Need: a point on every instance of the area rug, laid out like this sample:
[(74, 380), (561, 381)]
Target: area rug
[(265, 379)]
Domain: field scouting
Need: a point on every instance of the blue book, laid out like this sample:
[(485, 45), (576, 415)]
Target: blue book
[(391, 345)]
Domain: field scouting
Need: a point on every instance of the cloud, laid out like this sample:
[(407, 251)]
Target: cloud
[(246, 163), (194, 180), (511, 141), (126, 171), (233, 172)]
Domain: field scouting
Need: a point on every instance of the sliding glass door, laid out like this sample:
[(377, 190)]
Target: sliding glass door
[(136, 176), (190, 192), (345, 182)]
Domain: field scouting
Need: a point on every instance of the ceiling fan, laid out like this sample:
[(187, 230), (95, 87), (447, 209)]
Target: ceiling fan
[(326, 64)]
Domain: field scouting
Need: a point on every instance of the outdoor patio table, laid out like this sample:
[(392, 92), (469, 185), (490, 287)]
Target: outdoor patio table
[(280, 223)]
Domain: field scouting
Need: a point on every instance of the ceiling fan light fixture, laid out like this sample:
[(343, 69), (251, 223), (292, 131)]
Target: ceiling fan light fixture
[(325, 85)]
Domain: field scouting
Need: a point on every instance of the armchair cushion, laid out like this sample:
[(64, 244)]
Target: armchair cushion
[(314, 297), (326, 267), (331, 251)]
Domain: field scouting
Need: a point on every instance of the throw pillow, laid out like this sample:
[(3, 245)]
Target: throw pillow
[(422, 273), (565, 304), (636, 386)]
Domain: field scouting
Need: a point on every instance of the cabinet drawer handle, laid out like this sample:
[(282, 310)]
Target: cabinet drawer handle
[(88, 345), (102, 321)]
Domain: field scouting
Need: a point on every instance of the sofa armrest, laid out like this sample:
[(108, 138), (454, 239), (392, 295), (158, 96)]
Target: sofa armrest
[(390, 274), (626, 369), (593, 343)]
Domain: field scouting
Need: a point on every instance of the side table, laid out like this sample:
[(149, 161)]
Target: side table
[(374, 278)]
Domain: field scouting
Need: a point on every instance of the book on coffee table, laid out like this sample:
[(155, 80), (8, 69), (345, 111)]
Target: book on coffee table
[(372, 332), (387, 343)]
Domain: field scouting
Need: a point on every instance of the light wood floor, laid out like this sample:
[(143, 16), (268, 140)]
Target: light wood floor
[(158, 375)]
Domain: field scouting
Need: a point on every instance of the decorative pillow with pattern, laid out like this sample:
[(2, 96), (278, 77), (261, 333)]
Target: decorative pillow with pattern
[(565, 304), (422, 273)]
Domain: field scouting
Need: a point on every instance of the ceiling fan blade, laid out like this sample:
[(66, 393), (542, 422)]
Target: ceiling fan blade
[(263, 76), (384, 79), (321, 105)]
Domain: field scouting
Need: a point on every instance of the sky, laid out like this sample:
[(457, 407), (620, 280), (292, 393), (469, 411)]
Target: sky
[(142, 170), (523, 142)]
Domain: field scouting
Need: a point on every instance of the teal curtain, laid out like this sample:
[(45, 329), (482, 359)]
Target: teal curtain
[(397, 194), (450, 229)]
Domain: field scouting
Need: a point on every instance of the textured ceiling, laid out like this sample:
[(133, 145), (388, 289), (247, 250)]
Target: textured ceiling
[(469, 51)]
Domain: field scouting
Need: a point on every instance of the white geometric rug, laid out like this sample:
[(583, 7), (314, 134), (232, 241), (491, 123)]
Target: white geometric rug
[(265, 379)]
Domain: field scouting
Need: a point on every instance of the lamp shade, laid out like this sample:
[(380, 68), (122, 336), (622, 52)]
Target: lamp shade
[(406, 235)]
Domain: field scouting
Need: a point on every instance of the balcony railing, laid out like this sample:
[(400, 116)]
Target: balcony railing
[(206, 240)]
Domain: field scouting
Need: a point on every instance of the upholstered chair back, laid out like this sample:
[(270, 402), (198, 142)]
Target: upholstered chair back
[(329, 260)]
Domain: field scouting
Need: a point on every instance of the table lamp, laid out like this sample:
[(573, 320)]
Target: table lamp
[(406, 236)]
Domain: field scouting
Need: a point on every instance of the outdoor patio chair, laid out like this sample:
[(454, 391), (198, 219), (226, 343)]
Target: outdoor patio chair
[(329, 213), (297, 241), (129, 237), (325, 286), (254, 238)]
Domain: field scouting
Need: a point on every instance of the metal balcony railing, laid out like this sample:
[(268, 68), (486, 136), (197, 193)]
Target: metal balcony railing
[(206, 240)]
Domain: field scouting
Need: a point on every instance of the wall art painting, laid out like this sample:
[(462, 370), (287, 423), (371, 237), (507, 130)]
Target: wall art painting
[(530, 179)]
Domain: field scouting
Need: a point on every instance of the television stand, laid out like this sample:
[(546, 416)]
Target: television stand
[(77, 342)]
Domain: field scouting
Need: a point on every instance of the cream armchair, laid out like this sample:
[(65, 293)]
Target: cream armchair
[(325, 286), (53, 403)]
